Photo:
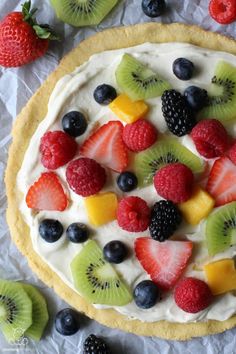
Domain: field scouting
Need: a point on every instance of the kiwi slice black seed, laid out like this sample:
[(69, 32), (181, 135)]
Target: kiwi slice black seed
[(138, 81), (39, 312), (96, 280), (165, 151), (222, 94), (80, 13), (221, 229), (15, 310)]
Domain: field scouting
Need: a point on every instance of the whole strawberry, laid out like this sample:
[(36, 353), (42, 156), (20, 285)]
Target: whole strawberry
[(22, 40)]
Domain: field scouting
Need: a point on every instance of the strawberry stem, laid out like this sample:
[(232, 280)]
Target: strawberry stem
[(42, 31)]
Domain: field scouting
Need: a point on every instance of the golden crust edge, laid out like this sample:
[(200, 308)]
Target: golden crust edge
[(27, 122)]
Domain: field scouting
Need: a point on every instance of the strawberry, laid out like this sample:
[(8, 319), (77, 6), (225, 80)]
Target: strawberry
[(22, 40), (221, 183), (231, 153), (47, 193), (106, 146), (163, 261)]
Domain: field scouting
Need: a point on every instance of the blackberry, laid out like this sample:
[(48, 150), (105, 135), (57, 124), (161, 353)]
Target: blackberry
[(165, 219), (95, 345), (179, 117)]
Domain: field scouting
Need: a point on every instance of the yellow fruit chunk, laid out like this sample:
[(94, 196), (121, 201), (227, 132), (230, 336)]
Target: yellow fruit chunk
[(221, 276), (197, 207), (101, 208), (127, 110)]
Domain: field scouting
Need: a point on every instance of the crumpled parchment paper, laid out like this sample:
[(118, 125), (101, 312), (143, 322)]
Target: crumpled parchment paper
[(16, 87)]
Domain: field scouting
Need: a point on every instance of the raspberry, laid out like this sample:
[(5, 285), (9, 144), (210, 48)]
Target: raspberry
[(179, 117), (210, 138), (140, 135), (174, 182), (232, 153), (133, 214), (85, 176), (57, 148), (223, 11), (165, 219), (192, 295)]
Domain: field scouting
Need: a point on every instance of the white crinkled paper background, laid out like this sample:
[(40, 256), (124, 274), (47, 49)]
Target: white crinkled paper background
[(16, 87)]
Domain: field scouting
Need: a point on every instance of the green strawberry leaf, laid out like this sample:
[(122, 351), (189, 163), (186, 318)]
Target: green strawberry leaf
[(26, 7), (45, 32), (29, 14), (42, 31)]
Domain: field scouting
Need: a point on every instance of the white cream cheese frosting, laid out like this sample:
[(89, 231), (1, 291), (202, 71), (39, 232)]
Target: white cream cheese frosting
[(75, 92)]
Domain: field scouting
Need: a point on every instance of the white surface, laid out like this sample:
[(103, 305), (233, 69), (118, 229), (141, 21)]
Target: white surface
[(16, 87)]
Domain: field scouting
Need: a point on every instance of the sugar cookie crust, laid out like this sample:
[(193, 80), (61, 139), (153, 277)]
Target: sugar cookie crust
[(24, 128)]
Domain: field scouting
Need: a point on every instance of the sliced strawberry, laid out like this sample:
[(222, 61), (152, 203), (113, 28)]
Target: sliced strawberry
[(202, 180), (47, 193), (163, 261), (106, 146), (222, 181)]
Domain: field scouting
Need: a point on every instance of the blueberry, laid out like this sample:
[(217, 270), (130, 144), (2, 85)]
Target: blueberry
[(50, 230), (77, 232), (146, 294), (104, 94), (196, 97), (127, 181), (74, 123), (67, 322), (115, 252), (183, 68), (153, 8)]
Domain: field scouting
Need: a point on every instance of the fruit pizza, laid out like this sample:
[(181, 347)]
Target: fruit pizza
[(123, 197)]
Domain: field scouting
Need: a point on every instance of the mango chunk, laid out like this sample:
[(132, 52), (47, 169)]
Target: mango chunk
[(101, 208), (197, 207), (127, 110), (221, 276)]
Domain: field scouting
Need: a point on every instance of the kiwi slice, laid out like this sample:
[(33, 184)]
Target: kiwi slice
[(165, 151), (80, 13), (221, 229), (39, 312), (96, 280), (138, 81), (15, 310), (222, 94)]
